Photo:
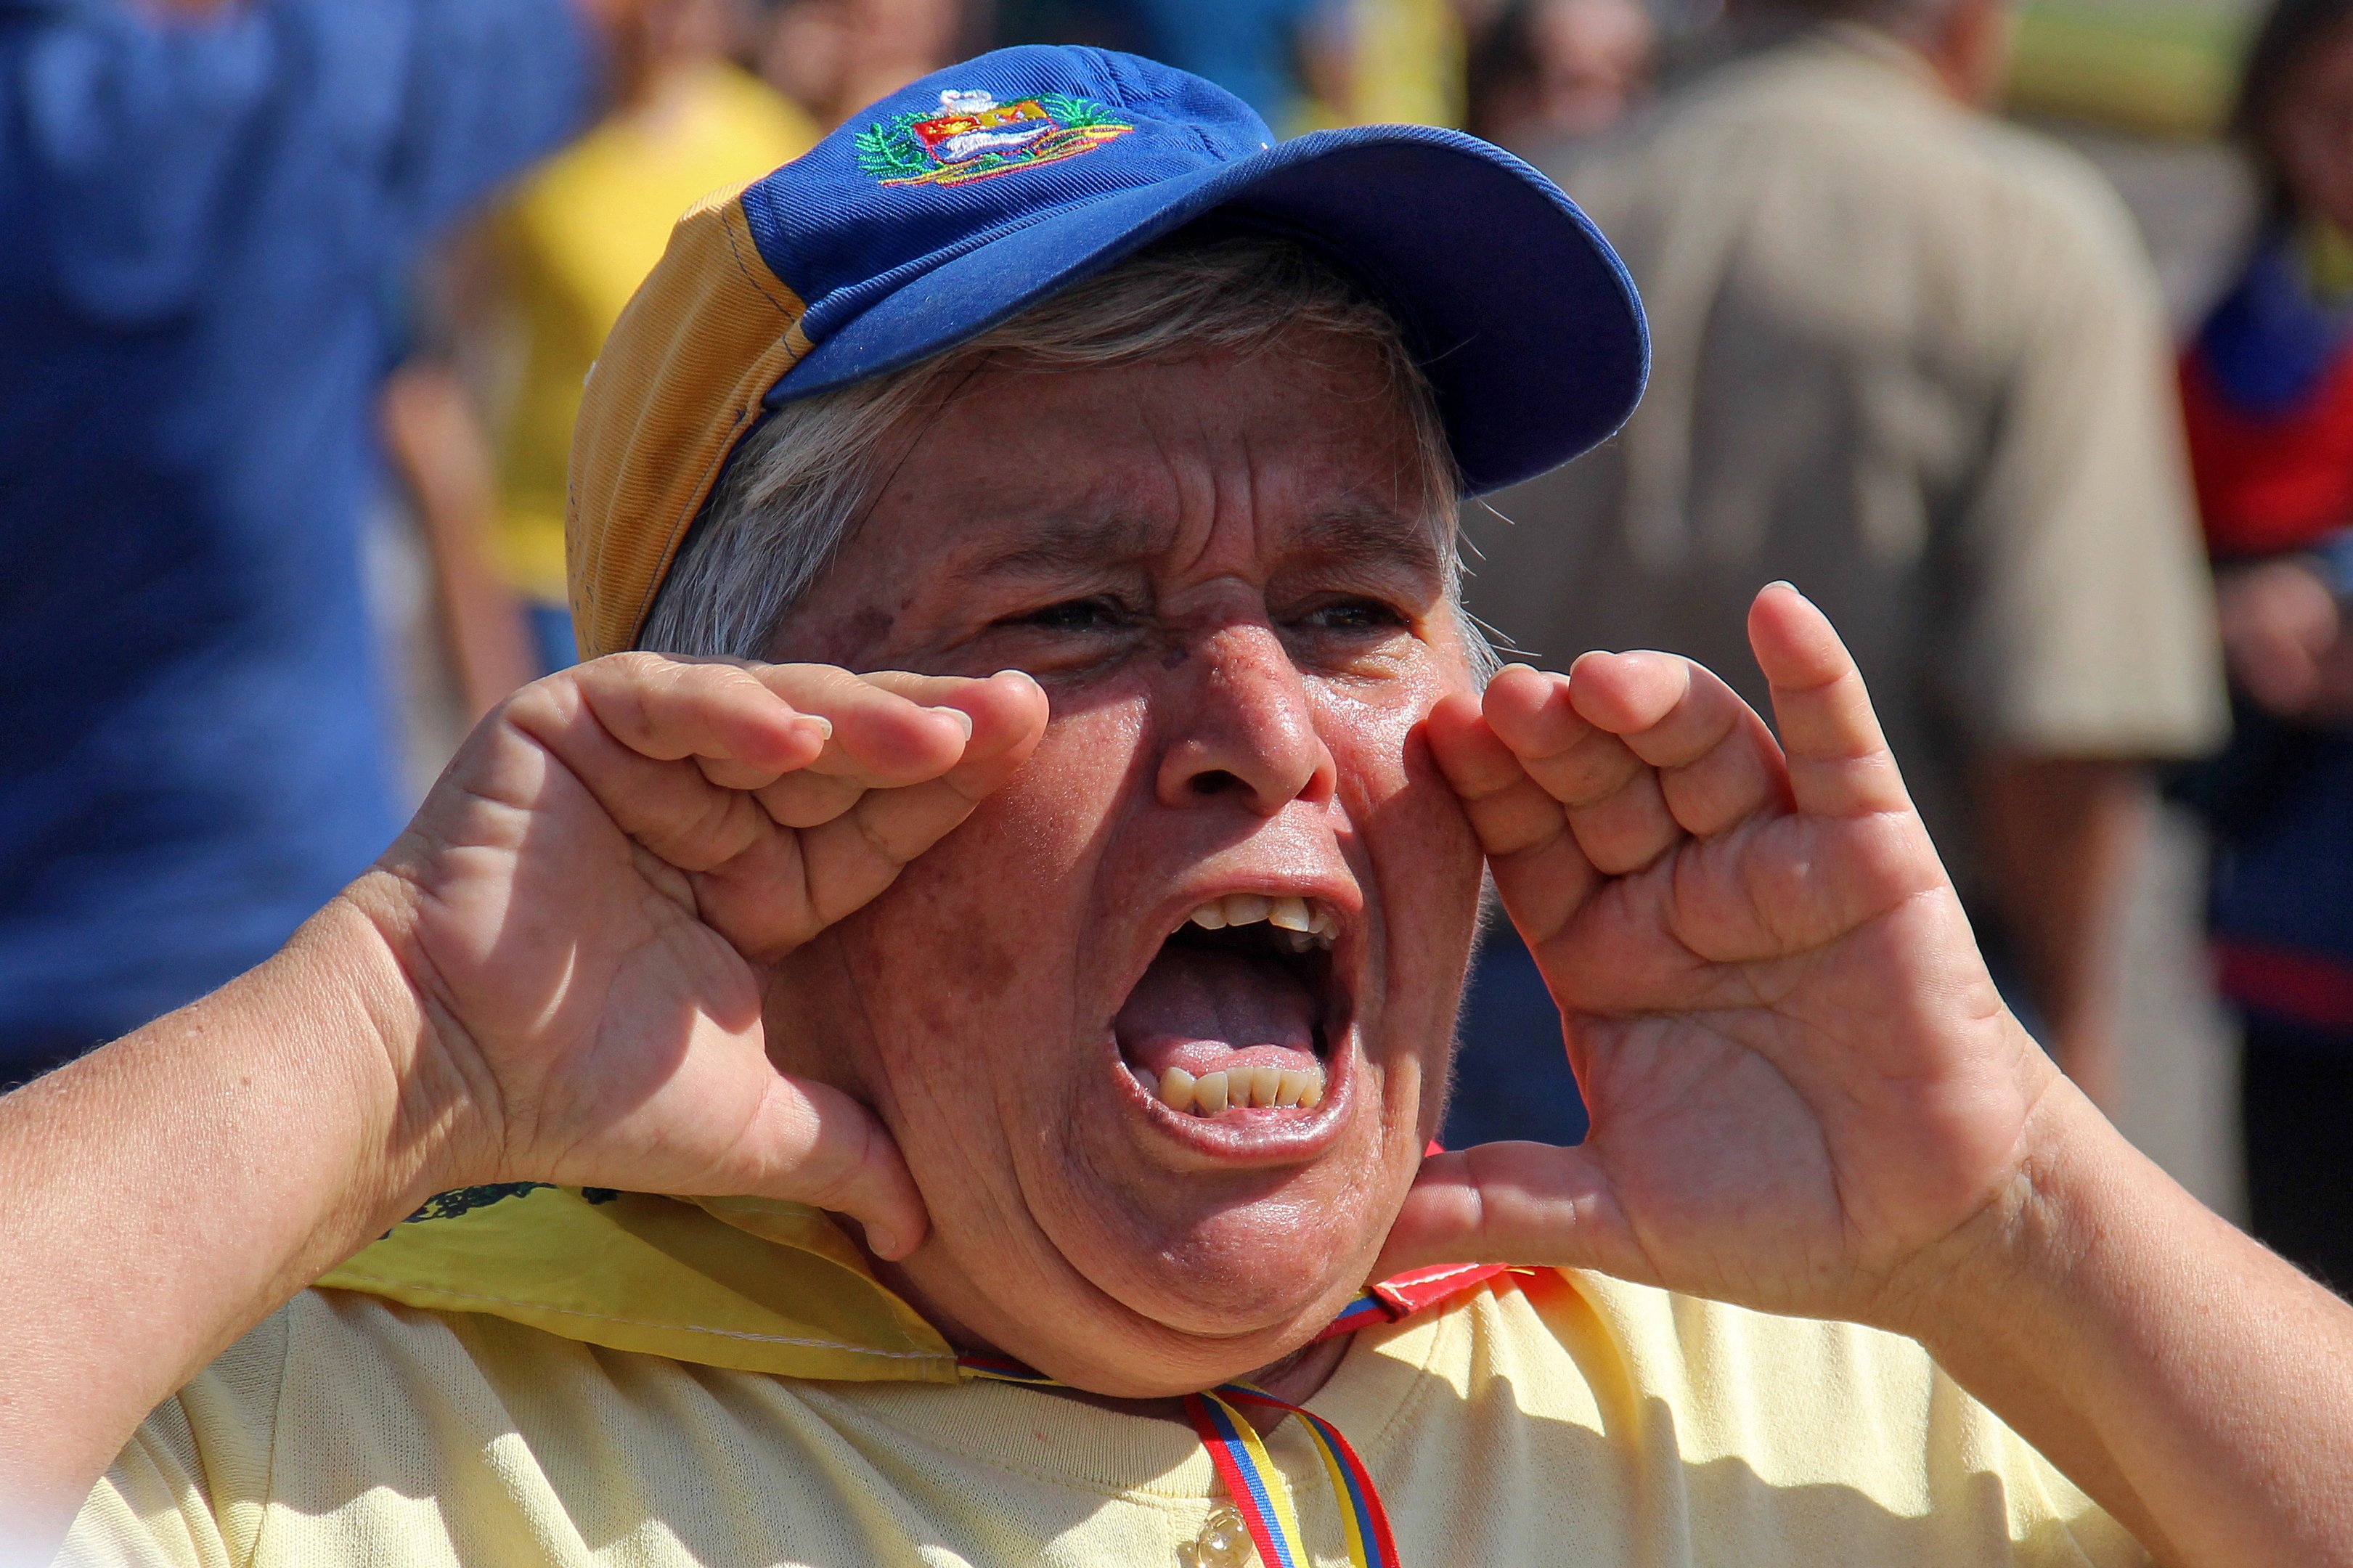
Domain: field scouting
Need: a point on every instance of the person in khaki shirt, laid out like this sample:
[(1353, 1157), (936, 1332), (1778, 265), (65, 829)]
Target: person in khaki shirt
[(923, 1047), (1914, 360)]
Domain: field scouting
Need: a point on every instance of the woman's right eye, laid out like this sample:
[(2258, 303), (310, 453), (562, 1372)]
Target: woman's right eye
[(1074, 615)]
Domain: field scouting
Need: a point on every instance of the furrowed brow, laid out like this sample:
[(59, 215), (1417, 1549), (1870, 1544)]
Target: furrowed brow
[(1048, 546)]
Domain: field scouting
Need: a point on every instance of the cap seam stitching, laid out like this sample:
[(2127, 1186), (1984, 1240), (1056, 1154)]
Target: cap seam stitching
[(735, 254)]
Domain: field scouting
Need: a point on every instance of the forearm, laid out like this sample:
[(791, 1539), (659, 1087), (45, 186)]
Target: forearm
[(2196, 1385), (2061, 837), (167, 1192)]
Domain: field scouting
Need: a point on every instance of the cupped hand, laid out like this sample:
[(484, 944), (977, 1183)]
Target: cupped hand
[(586, 903), (1802, 1083)]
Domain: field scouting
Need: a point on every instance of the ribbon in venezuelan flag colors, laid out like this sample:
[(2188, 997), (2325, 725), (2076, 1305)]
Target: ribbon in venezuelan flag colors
[(1250, 1477), (1257, 1489)]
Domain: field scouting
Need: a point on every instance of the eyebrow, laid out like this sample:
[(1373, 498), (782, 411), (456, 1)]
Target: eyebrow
[(1361, 530), (1349, 530)]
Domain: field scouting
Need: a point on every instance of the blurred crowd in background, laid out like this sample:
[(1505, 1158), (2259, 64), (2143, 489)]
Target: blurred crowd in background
[(2020, 337)]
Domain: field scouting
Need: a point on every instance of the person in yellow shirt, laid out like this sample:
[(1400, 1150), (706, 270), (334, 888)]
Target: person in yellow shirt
[(921, 1049), (573, 243), (485, 440)]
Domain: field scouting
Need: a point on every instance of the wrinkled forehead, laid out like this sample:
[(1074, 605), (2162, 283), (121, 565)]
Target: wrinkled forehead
[(1113, 530), (1303, 452)]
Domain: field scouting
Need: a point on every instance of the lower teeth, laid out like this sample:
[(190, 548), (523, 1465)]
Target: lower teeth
[(1241, 1089)]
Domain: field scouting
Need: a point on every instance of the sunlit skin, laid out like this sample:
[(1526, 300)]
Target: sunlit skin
[(854, 937), (1222, 573), (1240, 674)]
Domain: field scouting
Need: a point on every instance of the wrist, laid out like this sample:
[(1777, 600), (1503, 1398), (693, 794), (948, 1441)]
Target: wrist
[(1982, 1288), (2195, 1385), (2037, 1308), (423, 1130)]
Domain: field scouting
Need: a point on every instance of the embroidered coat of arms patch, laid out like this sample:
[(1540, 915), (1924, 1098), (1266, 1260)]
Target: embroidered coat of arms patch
[(972, 136)]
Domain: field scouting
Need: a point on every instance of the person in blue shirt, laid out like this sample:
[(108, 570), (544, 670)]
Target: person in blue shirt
[(206, 212), (1252, 48)]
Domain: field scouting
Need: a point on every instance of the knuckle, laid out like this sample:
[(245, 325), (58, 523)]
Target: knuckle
[(627, 669), (554, 698), (733, 677)]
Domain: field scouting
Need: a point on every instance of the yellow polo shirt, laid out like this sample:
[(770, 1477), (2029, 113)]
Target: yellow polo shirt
[(1558, 1418)]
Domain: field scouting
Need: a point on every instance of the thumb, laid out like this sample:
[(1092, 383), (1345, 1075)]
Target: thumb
[(1513, 1203), (811, 1143)]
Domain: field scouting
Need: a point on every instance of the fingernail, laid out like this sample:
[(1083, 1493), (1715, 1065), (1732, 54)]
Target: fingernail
[(881, 1241), (822, 725), (960, 716), (1781, 583)]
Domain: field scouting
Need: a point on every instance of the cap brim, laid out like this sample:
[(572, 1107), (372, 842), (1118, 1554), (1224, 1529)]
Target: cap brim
[(1524, 319)]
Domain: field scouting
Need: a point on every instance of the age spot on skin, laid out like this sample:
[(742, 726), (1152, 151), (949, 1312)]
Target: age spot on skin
[(853, 638), (870, 627)]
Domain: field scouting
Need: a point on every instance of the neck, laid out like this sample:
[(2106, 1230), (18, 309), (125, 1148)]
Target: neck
[(1965, 50), (1295, 1377), (1968, 50)]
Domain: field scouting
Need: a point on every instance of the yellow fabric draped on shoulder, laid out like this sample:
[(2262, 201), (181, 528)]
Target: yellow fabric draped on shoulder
[(743, 1283)]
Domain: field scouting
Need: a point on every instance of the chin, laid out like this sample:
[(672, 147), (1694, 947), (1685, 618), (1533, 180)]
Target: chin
[(1167, 1250), (1161, 1292)]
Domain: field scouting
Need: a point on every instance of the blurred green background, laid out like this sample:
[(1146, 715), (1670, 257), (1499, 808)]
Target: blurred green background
[(2161, 68)]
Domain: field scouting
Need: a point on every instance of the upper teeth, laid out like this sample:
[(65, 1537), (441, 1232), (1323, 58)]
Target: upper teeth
[(1304, 925)]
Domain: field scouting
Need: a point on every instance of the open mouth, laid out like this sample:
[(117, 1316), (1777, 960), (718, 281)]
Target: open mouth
[(1235, 1013)]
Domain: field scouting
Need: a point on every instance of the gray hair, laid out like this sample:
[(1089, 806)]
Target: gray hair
[(801, 481)]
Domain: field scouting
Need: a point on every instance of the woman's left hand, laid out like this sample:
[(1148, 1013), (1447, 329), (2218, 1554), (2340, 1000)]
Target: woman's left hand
[(1805, 1091)]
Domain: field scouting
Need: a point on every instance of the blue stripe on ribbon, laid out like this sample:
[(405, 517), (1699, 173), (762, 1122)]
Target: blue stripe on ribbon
[(1356, 1501), (1246, 1466)]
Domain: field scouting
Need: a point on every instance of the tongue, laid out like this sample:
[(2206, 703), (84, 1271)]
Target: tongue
[(1211, 1012)]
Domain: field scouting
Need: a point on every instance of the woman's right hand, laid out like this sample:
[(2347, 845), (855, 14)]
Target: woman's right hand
[(584, 906)]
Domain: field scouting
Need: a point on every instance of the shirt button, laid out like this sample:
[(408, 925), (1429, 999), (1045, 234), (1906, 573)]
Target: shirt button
[(1223, 1543)]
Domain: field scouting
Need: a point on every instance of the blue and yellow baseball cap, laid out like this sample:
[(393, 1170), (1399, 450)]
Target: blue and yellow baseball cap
[(960, 200)]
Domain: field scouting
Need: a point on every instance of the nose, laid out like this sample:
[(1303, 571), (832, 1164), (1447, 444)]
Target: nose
[(1239, 725)]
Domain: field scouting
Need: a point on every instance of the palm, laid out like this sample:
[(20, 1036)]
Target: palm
[(595, 887), (599, 999), (1799, 1073)]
